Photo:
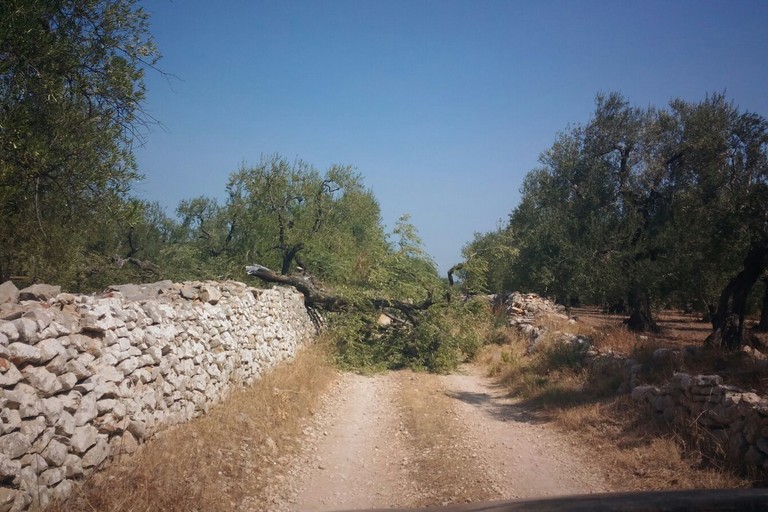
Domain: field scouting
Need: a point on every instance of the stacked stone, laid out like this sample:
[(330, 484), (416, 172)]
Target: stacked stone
[(527, 311), (522, 308), (85, 378), (737, 420)]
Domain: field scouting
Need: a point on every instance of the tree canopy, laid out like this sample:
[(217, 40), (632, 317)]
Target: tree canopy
[(646, 206), (71, 90)]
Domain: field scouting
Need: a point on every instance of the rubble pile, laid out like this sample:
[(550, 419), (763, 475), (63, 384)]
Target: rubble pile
[(530, 314)]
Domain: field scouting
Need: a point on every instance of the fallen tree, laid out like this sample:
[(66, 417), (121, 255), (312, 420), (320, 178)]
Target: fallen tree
[(428, 332), (314, 297)]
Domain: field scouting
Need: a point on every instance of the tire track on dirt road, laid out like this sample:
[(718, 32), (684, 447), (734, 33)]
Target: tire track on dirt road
[(405, 439), (355, 454)]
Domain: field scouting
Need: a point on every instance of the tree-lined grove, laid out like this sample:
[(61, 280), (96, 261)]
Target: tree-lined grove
[(642, 208), (638, 208)]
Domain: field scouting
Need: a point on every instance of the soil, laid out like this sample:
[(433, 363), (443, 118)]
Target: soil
[(677, 328), (680, 331), (405, 439)]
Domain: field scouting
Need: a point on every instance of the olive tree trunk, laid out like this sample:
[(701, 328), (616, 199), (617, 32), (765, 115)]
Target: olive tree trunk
[(763, 325), (728, 322), (641, 316)]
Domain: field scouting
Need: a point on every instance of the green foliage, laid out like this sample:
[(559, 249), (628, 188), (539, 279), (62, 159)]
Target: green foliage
[(71, 87), (280, 215), (286, 215), (451, 334), (291, 213), (359, 343), (436, 339), (645, 205), (405, 270), (488, 260), (445, 336)]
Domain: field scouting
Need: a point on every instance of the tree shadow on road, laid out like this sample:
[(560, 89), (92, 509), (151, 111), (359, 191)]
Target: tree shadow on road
[(537, 399), (500, 408)]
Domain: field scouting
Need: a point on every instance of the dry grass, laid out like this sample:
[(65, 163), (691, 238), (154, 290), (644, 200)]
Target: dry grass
[(678, 332), (213, 462), (621, 341), (641, 453), (553, 323), (550, 377), (506, 351)]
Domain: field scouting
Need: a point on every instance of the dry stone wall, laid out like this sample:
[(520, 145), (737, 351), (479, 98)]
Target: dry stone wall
[(85, 378), (736, 421), (527, 312)]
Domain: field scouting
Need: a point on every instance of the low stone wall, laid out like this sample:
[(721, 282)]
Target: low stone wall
[(85, 378), (736, 420)]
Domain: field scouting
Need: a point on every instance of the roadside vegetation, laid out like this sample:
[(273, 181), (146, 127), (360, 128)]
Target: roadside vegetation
[(642, 453)]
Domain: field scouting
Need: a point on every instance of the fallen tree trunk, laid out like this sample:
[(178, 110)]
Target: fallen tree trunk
[(312, 296), (315, 298)]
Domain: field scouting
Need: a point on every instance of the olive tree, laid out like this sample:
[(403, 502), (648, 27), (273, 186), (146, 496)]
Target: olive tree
[(649, 207), (71, 93), (288, 215)]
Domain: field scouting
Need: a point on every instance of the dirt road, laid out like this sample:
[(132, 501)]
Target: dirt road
[(405, 439)]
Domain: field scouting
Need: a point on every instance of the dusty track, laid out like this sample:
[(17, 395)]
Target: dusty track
[(405, 439), (523, 455)]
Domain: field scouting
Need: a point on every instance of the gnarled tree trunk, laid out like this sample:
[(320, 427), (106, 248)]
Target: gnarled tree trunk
[(763, 325), (289, 254), (641, 317), (728, 322), (451, 281)]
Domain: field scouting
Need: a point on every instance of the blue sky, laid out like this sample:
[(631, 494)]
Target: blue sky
[(443, 106)]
